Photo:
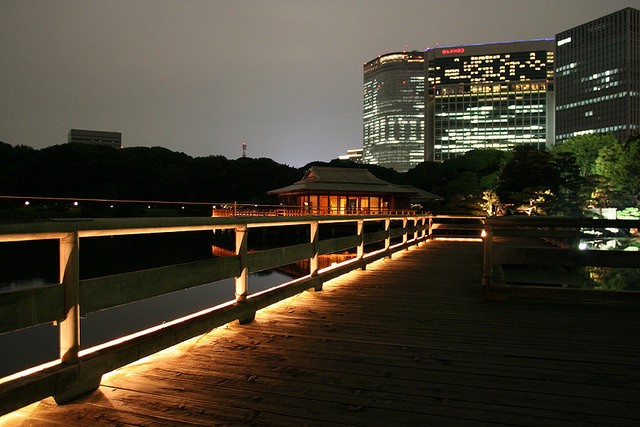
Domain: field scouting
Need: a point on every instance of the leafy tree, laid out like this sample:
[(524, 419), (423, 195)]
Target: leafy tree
[(586, 149), (621, 279), (462, 180), (490, 203), (619, 165), (574, 191), (527, 174)]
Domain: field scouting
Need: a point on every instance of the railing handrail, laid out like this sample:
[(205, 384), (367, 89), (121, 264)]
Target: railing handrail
[(548, 221), (561, 235), (63, 303)]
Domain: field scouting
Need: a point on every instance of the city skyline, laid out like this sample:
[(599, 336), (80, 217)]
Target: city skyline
[(283, 77)]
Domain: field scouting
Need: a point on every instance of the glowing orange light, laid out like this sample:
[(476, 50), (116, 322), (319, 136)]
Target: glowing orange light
[(459, 239)]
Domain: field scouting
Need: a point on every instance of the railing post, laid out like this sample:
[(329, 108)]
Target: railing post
[(405, 231), (70, 279), (360, 231), (360, 248), (241, 281), (313, 262), (387, 240), (241, 251), (430, 228), (487, 270), (88, 379)]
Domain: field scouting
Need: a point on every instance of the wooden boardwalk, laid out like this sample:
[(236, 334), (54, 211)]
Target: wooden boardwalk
[(408, 342)]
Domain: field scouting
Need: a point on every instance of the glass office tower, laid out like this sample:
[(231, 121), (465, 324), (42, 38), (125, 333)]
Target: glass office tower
[(495, 95), (598, 77), (393, 113)]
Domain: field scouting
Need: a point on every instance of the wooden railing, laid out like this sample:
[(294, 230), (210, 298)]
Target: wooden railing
[(456, 226), (78, 371), (552, 242)]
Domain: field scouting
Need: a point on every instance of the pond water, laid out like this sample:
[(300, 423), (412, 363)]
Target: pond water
[(32, 264)]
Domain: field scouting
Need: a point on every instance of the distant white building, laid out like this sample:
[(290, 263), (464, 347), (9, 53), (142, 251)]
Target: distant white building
[(96, 137), (353, 154)]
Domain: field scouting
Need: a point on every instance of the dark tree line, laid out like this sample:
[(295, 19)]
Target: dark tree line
[(140, 173), (589, 170)]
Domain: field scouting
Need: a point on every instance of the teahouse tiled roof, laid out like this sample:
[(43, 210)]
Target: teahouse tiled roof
[(344, 180)]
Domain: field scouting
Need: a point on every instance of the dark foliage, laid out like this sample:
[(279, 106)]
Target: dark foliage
[(148, 174), (138, 173), (461, 181)]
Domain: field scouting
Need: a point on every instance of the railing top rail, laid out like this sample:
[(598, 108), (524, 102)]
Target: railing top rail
[(54, 229), (459, 216), (544, 221)]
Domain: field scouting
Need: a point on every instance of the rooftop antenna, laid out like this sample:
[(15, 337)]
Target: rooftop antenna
[(244, 149)]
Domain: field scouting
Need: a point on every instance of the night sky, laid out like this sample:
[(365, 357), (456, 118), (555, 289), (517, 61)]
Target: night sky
[(203, 77)]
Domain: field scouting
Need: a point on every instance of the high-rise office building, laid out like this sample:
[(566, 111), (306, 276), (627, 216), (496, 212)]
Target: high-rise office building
[(598, 77), (494, 95), (393, 113)]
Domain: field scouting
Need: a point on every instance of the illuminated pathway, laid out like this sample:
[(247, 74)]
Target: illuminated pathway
[(406, 342)]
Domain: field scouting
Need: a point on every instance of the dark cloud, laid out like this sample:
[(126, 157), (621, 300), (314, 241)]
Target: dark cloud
[(202, 77)]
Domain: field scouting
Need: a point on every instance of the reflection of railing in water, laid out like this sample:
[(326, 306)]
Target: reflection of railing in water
[(296, 269), (300, 268), (78, 372)]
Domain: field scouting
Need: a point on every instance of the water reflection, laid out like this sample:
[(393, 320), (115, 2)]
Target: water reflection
[(609, 239), (39, 344), (31, 264)]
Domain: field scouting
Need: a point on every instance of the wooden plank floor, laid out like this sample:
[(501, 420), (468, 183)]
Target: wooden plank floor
[(408, 342)]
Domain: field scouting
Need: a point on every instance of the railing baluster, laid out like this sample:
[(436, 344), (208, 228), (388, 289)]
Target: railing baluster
[(69, 277), (487, 270), (241, 251), (241, 281), (405, 230), (313, 262), (387, 229), (360, 232)]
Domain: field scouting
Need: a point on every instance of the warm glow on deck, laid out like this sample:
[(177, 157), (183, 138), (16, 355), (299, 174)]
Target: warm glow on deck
[(459, 239), (18, 417)]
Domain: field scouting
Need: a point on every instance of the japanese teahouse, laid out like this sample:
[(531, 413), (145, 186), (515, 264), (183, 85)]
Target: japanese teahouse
[(331, 190)]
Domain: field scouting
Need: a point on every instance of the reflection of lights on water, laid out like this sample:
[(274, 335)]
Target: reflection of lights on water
[(582, 246)]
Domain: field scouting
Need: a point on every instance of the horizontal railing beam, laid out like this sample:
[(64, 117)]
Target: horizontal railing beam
[(563, 257), (272, 258), (31, 307), (329, 246), (111, 291)]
